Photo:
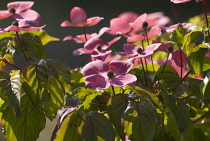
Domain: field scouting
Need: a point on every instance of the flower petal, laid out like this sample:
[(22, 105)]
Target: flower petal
[(93, 21), (95, 67), (20, 5), (30, 15), (179, 1), (153, 47), (4, 14), (97, 81), (155, 30), (135, 38), (123, 80), (80, 51), (120, 67), (93, 42), (130, 17), (119, 26), (137, 25), (78, 15)]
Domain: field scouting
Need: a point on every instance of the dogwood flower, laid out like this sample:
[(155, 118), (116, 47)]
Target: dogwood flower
[(137, 51), (96, 47), (19, 26), (21, 10), (99, 75), (183, 1), (79, 18)]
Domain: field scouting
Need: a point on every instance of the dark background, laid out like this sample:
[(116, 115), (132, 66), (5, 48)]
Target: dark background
[(53, 12)]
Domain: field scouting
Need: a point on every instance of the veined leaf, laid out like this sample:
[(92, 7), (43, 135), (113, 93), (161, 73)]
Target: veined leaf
[(116, 107), (205, 88), (140, 120), (70, 128), (43, 35), (178, 113), (32, 46), (97, 128), (195, 61), (46, 82), (192, 40), (10, 90), (26, 127), (178, 35)]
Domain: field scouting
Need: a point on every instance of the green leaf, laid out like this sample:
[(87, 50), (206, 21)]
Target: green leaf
[(46, 83), (97, 128), (192, 40), (116, 106), (140, 120), (205, 87), (179, 116), (6, 46), (56, 92), (26, 127), (32, 46), (10, 90), (195, 61), (168, 75), (194, 87), (178, 35), (206, 64), (43, 35), (69, 130)]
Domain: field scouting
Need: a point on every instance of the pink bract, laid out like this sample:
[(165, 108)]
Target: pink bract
[(180, 1), (155, 30), (19, 27), (21, 10), (99, 75), (96, 47), (79, 18), (136, 51)]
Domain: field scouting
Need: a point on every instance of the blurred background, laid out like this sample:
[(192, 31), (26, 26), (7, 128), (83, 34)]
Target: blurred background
[(54, 12)]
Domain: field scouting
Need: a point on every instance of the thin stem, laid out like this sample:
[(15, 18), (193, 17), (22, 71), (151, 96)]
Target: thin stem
[(145, 60), (21, 48), (144, 72), (181, 63), (85, 33), (186, 75), (206, 18), (4, 60), (165, 62), (175, 13), (147, 39), (113, 90)]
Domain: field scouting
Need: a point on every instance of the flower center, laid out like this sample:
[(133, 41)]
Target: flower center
[(139, 50), (99, 47), (15, 23), (145, 25), (170, 49), (110, 74), (12, 10)]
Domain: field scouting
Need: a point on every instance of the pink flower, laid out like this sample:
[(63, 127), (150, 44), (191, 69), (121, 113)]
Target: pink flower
[(80, 38), (171, 28), (19, 26), (137, 51), (183, 1), (99, 75), (79, 18), (154, 31), (96, 47), (21, 10)]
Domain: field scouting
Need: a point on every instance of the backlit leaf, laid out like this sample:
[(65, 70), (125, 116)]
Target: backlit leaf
[(26, 127)]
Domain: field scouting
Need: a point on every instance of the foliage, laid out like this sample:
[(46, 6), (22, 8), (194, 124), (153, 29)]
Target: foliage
[(158, 89)]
